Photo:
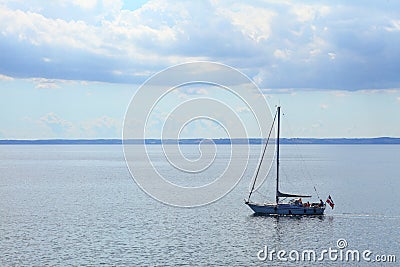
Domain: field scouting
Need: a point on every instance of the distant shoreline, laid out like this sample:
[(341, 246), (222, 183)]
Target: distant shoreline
[(220, 141)]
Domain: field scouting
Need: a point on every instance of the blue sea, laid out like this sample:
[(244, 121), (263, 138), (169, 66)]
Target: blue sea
[(78, 205)]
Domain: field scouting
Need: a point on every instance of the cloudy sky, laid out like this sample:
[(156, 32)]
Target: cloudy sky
[(68, 68)]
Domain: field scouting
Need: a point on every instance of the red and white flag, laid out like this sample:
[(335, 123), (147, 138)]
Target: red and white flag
[(330, 202)]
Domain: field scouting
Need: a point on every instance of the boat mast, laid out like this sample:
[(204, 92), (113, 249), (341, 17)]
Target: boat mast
[(277, 156)]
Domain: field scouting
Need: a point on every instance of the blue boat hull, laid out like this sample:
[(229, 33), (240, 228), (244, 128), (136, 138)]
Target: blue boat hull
[(285, 209)]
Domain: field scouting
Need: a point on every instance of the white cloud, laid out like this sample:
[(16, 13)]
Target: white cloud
[(43, 83), (203, 128), (332, 56), (252, 21), (58, 126), (86, 4), (39, 30), (102, 127), (197, 91), (54, 126), (394, 27), (340, 93), (242, 109), (317, 125), (5, 78), (323, 106), (307, 13), (49, 85), (283, 54), (379, 91), (283, 44)]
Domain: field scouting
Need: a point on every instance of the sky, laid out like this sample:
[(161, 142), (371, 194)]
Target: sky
[(68, 69)]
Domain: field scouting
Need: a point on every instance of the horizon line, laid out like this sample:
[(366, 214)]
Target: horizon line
[(193, 138), (255, 140)]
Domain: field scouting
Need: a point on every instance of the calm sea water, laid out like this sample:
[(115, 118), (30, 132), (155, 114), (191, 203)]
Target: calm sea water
[(78, 205)]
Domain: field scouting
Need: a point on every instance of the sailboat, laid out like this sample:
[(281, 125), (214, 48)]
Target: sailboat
[(293, 207)]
